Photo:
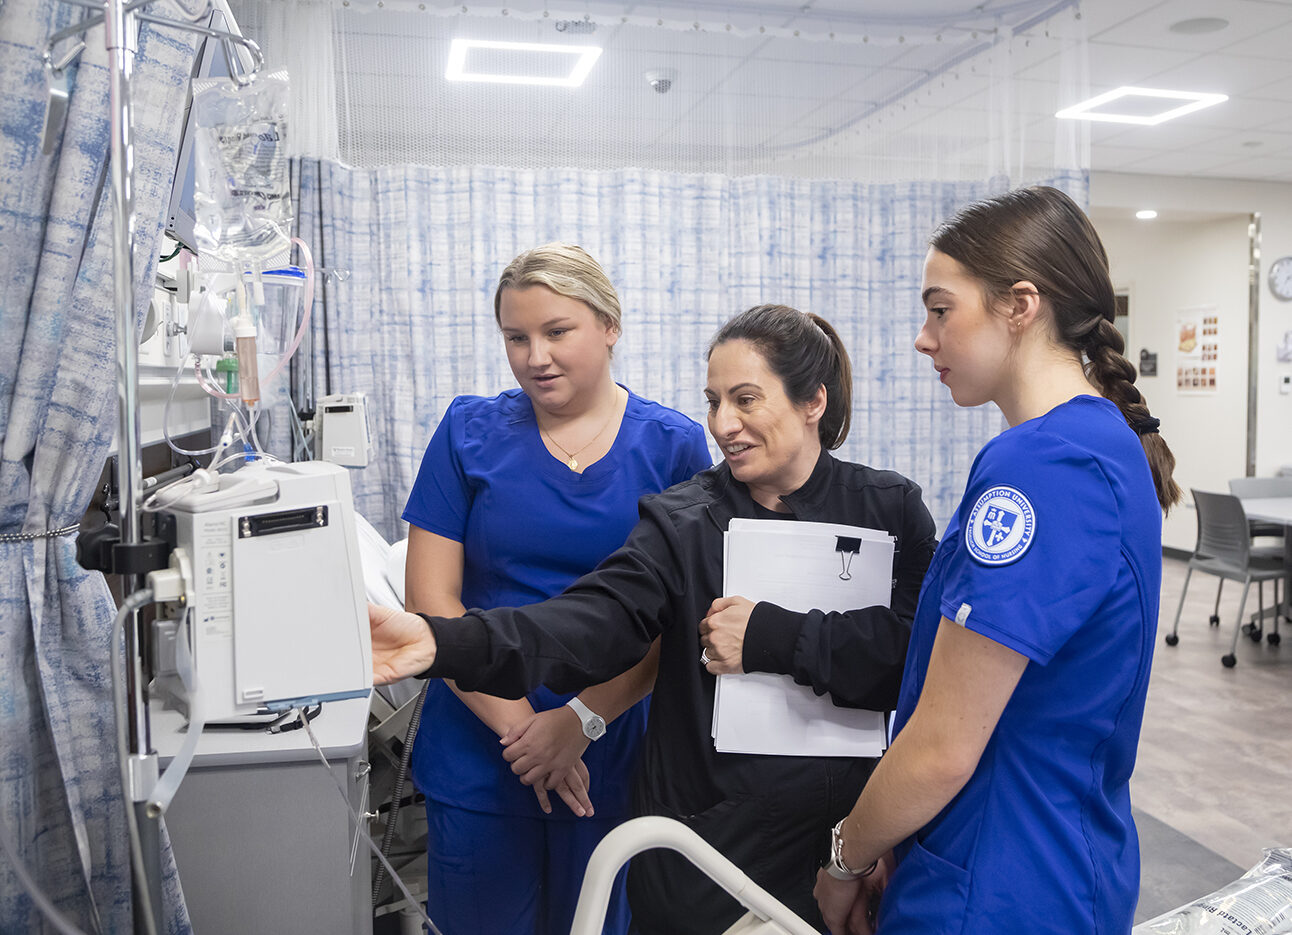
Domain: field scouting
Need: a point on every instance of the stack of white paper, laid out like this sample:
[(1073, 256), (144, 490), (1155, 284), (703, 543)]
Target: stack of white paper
[(798, 566)]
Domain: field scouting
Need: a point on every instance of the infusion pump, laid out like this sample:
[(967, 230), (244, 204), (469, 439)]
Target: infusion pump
[(273, 601)]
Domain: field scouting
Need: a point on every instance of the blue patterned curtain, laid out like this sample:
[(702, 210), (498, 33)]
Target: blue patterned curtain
[(413, 324), (60, 797)]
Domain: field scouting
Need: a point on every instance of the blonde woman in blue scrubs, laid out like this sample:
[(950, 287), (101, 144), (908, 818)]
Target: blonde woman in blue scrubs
[(1003, 804), (518, 495)]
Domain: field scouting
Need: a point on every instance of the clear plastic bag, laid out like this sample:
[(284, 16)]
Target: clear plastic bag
[(1257, 903), (241, 188)]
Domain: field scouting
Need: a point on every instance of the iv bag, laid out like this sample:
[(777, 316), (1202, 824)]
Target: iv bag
[(1258, 903), (241, 196)]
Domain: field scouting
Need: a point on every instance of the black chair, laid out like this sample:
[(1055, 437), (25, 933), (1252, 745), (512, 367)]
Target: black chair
[(1224, 549), (1249, 487)]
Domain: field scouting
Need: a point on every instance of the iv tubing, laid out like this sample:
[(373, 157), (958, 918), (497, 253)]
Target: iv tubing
[(170, 398)]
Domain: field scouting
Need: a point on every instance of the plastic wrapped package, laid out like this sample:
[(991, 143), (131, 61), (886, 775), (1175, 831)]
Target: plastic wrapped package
[(1257, 903)]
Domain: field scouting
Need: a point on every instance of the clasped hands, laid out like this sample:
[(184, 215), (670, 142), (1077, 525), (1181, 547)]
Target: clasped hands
[(545, 752), (722, 635)]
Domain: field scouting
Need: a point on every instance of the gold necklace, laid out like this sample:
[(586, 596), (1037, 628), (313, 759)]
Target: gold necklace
[(570, 461)]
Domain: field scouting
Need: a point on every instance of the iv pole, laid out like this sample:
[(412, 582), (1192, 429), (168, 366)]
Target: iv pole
[(120, 33), (132, 556)]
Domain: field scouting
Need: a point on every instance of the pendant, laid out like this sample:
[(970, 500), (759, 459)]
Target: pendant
[(573, 465)]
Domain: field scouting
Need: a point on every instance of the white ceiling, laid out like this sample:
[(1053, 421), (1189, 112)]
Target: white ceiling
[(814, 89), (1247, 137)]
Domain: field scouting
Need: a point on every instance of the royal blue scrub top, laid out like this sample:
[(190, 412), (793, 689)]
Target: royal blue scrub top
[(529, 527), (1055, 552)]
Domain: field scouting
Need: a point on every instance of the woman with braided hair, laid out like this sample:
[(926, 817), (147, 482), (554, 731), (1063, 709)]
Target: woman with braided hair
[(1003, 804)]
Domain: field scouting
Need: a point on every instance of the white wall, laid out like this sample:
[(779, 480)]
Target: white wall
[(1165, 267), (1273, 201), (1180, 269)]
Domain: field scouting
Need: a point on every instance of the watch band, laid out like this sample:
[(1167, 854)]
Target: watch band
[(594, 725)]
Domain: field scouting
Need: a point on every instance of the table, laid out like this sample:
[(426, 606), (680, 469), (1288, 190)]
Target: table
[(1276, 510)]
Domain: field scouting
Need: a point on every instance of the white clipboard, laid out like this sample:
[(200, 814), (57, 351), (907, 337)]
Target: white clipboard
[(799, 566)]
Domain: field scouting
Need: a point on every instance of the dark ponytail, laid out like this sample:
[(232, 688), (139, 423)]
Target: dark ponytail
[(1040, 235), (806, 353)]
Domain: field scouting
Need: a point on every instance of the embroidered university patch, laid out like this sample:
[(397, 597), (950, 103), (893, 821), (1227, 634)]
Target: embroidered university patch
[(1001, 526)]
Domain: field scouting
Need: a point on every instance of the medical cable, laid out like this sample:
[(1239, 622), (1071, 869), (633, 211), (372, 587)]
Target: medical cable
[(43, 903), (397, 795), (300, 439), (131, 604), (358, 824), (271, 722), (159, 482)]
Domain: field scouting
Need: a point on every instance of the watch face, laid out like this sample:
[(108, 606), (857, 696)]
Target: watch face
[(594, 727), (1281, 278)]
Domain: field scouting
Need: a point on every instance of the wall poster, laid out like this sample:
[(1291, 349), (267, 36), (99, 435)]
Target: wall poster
[(1197, 350)]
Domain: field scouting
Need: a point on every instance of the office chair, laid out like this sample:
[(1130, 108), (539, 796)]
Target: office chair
[(1249, 487), (1224, 549)]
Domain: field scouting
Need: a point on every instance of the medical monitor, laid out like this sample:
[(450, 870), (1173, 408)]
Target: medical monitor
[(210, 62)]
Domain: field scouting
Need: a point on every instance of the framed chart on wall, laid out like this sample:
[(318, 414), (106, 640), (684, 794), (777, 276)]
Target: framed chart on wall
[(1197, 350)]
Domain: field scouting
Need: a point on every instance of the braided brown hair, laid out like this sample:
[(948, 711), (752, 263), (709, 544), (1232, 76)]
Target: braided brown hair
[(1040, 235)]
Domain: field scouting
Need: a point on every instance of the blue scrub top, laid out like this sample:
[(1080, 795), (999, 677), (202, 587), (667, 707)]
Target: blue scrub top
[(1055, 552), (529, 527)]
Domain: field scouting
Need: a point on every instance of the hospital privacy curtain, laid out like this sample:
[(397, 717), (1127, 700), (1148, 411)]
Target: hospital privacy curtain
[(60, 791), (410, 321)]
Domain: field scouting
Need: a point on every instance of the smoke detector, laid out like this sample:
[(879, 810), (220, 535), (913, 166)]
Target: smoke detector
[(661, 79)]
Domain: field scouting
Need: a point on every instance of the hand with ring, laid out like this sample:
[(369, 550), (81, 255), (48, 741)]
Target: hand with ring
[(722, 635)]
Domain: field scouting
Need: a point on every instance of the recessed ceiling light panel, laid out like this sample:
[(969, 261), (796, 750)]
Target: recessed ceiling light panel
[(1172, 104), (559, 66), (1146, 214)]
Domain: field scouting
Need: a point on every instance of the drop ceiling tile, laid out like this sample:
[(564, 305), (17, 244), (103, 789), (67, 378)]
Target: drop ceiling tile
[(1279, 90), (1151, 28), (1272, 43), (1261, 167), (1254, 144), (1225, 74), (795, 79), (1178, 134), (1113, 64), (1244, 113), (1100, 17), (1177, 162), (870, 55), (1108, 158)]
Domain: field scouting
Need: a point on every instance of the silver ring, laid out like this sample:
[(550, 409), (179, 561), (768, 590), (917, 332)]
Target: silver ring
[(704, 657)]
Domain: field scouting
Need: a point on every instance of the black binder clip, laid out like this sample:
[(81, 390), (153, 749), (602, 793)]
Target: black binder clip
[(847, 547)]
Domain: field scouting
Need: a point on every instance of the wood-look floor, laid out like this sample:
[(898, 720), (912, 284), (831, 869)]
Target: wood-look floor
[(1215, 756)]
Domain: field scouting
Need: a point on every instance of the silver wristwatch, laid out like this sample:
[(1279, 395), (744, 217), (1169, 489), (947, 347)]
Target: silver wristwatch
[(594, 725), (835, 866)]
